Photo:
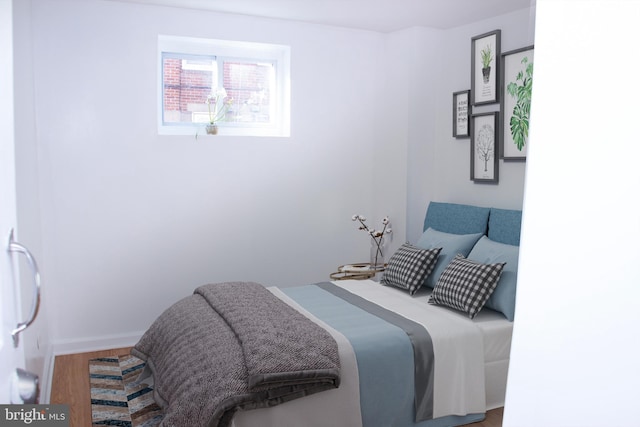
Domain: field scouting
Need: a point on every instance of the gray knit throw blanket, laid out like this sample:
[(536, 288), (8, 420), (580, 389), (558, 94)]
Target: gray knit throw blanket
[(234, 346)]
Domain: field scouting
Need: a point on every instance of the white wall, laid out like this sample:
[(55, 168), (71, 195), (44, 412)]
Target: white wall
[(133, 221), (438, 164), (575, 351)]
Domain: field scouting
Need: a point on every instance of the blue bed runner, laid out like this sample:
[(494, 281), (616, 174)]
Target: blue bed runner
[(392, 393), (421, 344)]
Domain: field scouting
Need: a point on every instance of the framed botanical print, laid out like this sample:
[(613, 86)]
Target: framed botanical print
[(485, 58), (484, 147), (461, 114), (516, 81)]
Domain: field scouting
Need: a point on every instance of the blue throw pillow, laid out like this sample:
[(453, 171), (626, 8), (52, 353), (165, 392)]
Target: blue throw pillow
[(503, 298), (451, 244)]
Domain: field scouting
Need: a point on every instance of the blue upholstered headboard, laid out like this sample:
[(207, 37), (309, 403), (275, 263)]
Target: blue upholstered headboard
[(500, 225), (456, 219), (504, 226)]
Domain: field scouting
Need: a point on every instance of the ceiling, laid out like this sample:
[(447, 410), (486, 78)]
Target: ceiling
[(375, 15)]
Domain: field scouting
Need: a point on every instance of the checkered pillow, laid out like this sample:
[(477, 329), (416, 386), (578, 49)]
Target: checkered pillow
[(466, 285), (409, 267)]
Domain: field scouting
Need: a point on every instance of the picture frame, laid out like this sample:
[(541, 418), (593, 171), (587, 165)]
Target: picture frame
[(460, 116), (485, 67), (516, 81), (484, 147)]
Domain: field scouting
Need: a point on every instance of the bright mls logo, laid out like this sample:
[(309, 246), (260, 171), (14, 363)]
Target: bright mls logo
[(36, 415)]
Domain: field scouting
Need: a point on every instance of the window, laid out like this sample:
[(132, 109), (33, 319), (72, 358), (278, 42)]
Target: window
[(243, 86)]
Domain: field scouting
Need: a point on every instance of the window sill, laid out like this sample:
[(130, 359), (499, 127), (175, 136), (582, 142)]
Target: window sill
[(200, 131)]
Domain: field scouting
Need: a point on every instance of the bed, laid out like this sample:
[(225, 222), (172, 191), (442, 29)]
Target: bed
[(399, 352)]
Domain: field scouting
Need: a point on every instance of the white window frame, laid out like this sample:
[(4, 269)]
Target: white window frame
[(279, 55)]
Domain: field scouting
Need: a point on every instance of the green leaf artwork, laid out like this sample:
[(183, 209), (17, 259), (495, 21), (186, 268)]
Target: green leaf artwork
[(520, 90)]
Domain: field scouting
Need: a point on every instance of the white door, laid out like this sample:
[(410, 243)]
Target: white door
[(11, 357)]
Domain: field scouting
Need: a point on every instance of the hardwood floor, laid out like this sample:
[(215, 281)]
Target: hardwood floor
[(493, 419), (70, 386)]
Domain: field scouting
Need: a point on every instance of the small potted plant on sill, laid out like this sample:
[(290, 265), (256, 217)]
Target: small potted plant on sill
[(218, 104)]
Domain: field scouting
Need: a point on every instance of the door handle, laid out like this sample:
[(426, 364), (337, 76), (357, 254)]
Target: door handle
[(14, 246), (27, 387)]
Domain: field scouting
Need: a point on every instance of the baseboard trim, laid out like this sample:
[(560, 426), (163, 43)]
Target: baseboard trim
[(84, 345), (81, 345)]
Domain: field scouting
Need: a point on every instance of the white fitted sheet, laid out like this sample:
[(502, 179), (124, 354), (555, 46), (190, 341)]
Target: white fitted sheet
[(496, 333), (496, 329)]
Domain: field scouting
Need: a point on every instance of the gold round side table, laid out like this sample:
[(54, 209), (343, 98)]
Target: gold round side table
[(358, 271)]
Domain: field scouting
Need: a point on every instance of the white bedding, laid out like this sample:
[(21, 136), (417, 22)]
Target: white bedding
[(496, 330), (496, 333), (340, 407)]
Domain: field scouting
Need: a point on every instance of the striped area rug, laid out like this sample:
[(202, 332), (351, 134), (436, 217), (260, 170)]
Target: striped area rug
[(116, 398)]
